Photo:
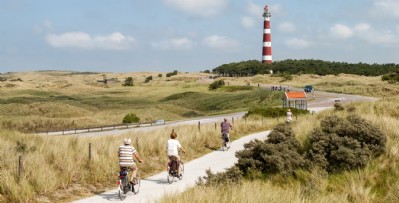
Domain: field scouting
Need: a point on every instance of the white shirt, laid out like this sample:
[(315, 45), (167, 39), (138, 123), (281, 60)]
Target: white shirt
[(172, 147)]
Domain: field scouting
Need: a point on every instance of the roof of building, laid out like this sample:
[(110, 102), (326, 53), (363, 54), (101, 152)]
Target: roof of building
[(295, 95)]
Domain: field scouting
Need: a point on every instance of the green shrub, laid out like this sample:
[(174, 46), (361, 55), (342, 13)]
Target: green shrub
[(338, 106), (273, 112), (128, 82), (131, 118), (160, 75), (280, 153), (237, 88), (344, 144), (216, 84), (391, 77), (231, 176), (171, 73), (148, 79)]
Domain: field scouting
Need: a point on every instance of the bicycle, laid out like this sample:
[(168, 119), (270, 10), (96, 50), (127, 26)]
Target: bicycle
[(172, 170), (124, 185), (225, 140)]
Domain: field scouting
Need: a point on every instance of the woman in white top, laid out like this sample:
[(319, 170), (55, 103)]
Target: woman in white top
[(289, 115), (173, 146)]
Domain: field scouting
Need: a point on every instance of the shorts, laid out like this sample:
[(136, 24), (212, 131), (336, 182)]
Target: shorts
[(226, 137)]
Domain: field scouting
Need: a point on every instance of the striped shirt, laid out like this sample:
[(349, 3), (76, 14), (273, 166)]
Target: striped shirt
[(126, 156)]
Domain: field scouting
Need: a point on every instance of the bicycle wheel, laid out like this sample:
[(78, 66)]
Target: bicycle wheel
[(136, 186), (170, 177), (121, 189), (181, 170)]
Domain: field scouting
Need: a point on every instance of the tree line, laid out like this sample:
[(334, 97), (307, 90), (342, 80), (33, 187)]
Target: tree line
[(303, 66)]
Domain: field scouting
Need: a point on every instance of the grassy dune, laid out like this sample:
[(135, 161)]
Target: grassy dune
[(55, 100), (378, 182), (58, 169)]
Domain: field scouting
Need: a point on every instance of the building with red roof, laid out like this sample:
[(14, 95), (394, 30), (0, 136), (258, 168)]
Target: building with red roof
[(297, 100)]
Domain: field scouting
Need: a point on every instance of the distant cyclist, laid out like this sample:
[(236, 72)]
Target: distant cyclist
[(173, 146), (225, 129), (126, 153)]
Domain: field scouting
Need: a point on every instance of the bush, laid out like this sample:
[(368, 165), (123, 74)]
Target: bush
[(131, 118), (338, 106), (391, 78), (216, 84), (231, 176), (280, 153), (147, 79), (273, 112), (160, 75), (171, 73), (128, 82), (343, 144)]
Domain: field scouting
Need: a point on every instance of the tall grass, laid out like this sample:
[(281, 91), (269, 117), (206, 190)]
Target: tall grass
[(56, 165), (84, 103), (377, 182)]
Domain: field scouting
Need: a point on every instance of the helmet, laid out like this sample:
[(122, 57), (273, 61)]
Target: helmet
[(128, 141)]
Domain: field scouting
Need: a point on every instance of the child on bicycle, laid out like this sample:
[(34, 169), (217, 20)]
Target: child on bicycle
[(173, 146), (125, 154)]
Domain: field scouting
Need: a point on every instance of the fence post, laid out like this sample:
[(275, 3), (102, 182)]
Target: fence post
[(137, 143), (75, 130), (215, 125), (199, 125), (20, 168), (232, 120), (62, 131), (89, 151)]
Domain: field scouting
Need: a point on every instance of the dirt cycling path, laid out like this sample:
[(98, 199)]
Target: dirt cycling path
[(155, 187)]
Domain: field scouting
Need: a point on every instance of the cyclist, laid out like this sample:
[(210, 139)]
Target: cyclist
[(173, 146), (126, 153), (225, 129)]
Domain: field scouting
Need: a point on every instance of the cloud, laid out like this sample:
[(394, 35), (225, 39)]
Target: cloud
[(220, 42), (365, 32), (202, 8), (296, 43), (174, 43), (254, 9), (247, 22), (390, 7), (81, 40), (362, 27), (341, 31), (45, 26), (287, 27)]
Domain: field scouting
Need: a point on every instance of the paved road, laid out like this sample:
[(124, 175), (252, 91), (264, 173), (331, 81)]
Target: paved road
[(154, 187)]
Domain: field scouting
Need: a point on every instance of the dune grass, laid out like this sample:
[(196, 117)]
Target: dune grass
[(58, 168), (48, 101), (377, 182)]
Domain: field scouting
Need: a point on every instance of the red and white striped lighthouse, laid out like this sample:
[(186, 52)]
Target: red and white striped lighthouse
[(267, 43)]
